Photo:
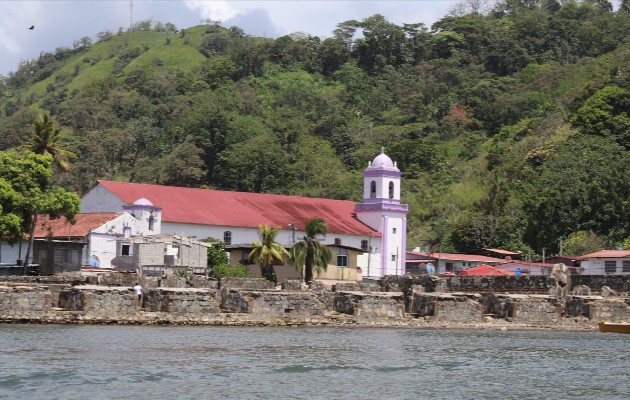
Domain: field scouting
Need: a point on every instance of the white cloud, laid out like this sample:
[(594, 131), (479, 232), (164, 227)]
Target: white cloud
[(15, 18), (218, 10)]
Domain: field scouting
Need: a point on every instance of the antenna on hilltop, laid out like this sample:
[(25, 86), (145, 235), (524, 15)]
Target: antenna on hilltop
[(130, 14)]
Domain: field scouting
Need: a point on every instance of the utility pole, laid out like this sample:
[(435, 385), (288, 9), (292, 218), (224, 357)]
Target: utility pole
[(561, 246), (369, 252)]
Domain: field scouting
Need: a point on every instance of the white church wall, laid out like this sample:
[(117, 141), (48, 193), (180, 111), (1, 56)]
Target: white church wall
[(99, 199)]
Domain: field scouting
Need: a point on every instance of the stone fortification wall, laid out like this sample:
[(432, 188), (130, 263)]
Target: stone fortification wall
[(183, 301), (99, 300), (24, 301), (111, 304), (371, 306), (597, 308), (538, 309), (271, 302), (452, 307), (246, 284), (481, 284), (619, 283)]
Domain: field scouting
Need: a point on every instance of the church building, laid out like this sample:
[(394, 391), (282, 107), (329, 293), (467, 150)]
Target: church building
[(377, 225)]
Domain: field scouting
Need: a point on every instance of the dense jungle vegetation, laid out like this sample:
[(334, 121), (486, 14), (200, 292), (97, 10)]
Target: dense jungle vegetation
[(511, 126)]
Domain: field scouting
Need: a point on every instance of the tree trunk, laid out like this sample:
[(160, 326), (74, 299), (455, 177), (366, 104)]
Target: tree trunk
[(308, 269), (268, 273), (30, 245)]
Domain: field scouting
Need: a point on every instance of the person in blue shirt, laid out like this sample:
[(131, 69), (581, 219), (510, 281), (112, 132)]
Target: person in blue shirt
[(517, 272)]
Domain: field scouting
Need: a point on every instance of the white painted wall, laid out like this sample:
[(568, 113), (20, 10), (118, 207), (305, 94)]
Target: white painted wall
[(99, 199), (102, 240), (9, 254), (596, 266)]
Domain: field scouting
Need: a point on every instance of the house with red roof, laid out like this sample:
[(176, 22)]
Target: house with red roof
[(377, 225), (447, 262), (60, 246), (605, 262)]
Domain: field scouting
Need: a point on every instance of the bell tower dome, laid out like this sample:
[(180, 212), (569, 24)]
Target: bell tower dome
[(381, 210)]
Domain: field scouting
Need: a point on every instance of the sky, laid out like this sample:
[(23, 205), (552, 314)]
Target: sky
[(58, 23)]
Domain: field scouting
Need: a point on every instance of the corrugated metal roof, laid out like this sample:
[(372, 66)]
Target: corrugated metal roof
[(606, 254), (61, 227), (240, 209)]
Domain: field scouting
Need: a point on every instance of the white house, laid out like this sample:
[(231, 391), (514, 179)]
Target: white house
[(377, 225), (605, 262), (60, 246)]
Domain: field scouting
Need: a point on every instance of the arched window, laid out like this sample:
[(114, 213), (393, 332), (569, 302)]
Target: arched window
[(373, 190), (151, 223), (227, 237), (391, 190)]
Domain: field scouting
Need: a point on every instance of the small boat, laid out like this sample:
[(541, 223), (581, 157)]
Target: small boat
[(616, 327)]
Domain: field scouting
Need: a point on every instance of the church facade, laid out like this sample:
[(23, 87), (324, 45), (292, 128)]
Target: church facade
[(377, 225)]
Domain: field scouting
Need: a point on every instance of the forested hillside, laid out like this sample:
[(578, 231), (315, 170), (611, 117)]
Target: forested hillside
[(511, 127)]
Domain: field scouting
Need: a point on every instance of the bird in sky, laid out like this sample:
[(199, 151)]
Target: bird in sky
[(32, 27)]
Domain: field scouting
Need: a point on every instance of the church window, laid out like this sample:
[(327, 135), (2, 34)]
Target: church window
[(393, 257), (394, 231), (391, 190), (151, 223), (373, 190), (364, 245), (227, 237), (337, 242)]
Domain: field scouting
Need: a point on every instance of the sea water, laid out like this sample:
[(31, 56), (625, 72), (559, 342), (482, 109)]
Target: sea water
[(151, 362)]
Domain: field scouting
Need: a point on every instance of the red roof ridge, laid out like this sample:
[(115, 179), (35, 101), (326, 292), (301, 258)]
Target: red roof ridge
[(242, 209), (226, 191)]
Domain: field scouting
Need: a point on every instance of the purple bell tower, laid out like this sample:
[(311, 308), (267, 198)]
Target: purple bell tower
[(382, 211)]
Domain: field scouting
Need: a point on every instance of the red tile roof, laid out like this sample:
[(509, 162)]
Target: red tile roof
[(240, 209), (60, 227), (484, 270), (606, 254), (457, 257)]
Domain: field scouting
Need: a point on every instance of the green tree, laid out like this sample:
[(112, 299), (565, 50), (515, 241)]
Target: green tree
[(583, 242), (267, 252), (26, 191), (184, 166), (606, 113), (46, 139), (309, 252)]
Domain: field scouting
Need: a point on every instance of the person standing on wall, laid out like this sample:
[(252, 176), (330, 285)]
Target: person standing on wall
[(138, 289)]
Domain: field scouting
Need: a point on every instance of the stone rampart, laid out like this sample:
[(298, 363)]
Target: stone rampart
[(597, 308), (246, 284), (99, 300), (536, 309), (619, 283), (25, 301), (111, 304), (183, 301), (452, 307), (371, 306), (271, 302)]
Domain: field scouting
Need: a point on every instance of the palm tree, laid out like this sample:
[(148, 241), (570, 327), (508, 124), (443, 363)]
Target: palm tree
[(309, 252), (47, 140), (267, 252)]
